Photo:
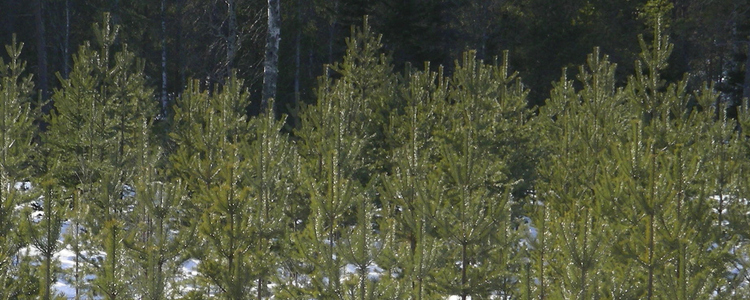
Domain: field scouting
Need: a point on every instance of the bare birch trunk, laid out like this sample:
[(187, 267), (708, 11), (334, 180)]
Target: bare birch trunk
[(232, 35), (271, 64)]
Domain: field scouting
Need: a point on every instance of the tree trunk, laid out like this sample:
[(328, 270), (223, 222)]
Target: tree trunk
[(49, 248), (464, 265), (76, 250), (746, 86), (41, 45), (232, 35), (297, 66), (66, 41), (163, 59), (181, 53), (271, 65)]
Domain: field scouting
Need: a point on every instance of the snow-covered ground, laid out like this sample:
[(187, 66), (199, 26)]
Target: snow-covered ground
[(188, 270)]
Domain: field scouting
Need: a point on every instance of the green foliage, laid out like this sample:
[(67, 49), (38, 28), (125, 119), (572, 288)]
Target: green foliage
[(44, 233), (158, 235), (473, 213), (341, 140), (239, 174), (631, 182), (411, 252), (578, 128), (272, 160), (16, 132), (98, 117), (211, 132), (413, 185)]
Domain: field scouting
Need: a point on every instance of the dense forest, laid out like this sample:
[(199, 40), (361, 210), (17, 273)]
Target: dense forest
[(180, 40), (354, 149)]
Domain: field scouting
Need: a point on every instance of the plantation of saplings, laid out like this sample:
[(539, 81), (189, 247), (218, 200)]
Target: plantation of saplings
[(415, 183)]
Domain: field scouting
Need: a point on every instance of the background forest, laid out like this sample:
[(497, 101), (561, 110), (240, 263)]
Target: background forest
[(422, 163)]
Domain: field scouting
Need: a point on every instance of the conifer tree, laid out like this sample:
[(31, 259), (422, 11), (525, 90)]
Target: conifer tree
[(45, 232), (662, 187), (156, 240), (368, 72), (331, 147), (157, 243), (342, 145), (16, 133), (211, 132), (93, 129), (473, 216), (271, 159), (737, 214), (412, 251), (578, 127)]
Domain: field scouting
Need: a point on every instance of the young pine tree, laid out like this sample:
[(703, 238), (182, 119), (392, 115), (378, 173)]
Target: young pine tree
[(331, 147), (577, 127), (45, 232), (341, 143), (156, 240), (238, 172), (737, 214), (211, 132), (271, 158), (411, 250), (16, 133), (93, 129), (473, 215), (661, 186)]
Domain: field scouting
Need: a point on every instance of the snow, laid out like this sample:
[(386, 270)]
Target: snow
[(22, 185), (373, 271), (64, 289), (184, 279)]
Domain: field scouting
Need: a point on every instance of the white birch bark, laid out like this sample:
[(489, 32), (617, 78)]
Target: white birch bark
[(271, 64)]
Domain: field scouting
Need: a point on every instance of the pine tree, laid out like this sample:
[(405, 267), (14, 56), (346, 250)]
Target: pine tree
[(473, 215), (342, 146), (412, 251), (331, 146), (368, 72), (211, 133), (737, 213), (156, 240), (93, 128), (16, 133), (45, 233), (271, 159), (578, 127), (662, 186), (157, 243)]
